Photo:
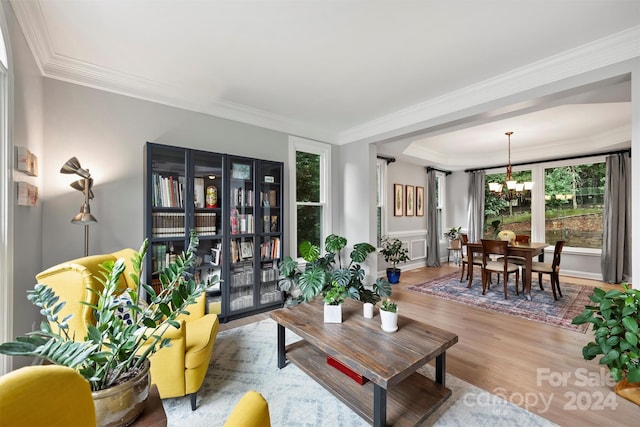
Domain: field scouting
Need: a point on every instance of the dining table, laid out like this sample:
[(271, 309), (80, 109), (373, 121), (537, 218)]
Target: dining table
[(526, 250)]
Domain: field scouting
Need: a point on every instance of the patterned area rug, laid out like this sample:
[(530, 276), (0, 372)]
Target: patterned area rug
[(244, 358), (542, 307)]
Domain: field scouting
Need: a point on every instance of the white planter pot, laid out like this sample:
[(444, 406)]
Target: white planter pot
[(332, 313), (389, 321), (367, 310)]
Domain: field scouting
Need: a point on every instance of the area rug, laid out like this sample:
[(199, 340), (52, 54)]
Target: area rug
[(541, 308), (245, 358)]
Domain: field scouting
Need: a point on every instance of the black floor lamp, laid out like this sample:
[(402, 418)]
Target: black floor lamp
[(72, 166)]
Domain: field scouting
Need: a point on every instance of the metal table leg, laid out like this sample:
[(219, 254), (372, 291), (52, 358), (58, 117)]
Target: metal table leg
[(379, 406), (282, 358)]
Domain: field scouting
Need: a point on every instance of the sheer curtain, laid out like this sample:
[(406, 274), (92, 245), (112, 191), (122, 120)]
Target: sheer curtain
[(475, 220), (433, 239), (616, 240)]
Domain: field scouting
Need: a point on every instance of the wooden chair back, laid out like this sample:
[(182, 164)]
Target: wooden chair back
[(556, 255), (493, 247), (522, 238)]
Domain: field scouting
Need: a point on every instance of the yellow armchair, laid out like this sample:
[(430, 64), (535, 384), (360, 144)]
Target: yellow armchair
[(251, 411), (178, 370), (45, 395)]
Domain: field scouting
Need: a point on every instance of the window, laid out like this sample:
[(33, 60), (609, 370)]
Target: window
[(6, 224), (514, 213), (311, 218), (573, 201), (570, 195), (381, 220)]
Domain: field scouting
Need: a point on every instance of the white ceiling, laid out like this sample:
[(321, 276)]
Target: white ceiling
[(341, 71)]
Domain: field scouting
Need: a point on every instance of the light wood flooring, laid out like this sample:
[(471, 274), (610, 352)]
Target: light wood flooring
[(536, 366)]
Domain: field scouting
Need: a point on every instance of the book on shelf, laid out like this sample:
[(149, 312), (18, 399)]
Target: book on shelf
[(205, 222), (198, 193), (270, 249), (167, 192), (167, 224)]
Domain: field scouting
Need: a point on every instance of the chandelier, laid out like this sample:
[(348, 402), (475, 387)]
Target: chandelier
[(510, 188)]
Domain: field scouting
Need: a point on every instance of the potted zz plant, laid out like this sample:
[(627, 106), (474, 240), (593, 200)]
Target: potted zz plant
[(389, 315), (393, 253), (615, 316), (322, 274), (114, 350)]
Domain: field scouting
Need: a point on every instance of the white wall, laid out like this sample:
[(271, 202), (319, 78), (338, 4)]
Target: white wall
[(27, 131), (411, 230)]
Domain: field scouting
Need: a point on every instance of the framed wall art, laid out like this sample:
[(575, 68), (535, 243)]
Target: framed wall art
[(398, 200), (419, 201), (409, 198)]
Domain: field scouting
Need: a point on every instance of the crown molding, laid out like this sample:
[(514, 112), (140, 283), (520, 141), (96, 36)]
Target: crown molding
[(601, 53), (60, 67)]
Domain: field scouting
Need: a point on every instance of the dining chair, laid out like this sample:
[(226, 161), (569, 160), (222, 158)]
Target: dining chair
[(477, 259), (553, 269), (519, 260), (497, 247)]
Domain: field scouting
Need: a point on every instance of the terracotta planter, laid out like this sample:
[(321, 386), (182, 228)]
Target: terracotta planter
[(630, 391), (121, 405)]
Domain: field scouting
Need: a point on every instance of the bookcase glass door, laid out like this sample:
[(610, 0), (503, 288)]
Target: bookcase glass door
[(168, 208), (270, 232), (208, 203), (242, 234)]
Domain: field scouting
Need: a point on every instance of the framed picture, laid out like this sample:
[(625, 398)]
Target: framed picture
[(246, 250), (240, 171), (409, 197), (398, 199), (419, 201)]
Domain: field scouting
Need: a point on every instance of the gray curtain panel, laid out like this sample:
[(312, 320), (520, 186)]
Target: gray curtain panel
[(433, 239), (616, 239), (475, 221)]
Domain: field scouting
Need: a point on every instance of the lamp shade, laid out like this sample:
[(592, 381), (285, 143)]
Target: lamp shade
[(73, 166), (84, 216), (80, 185)]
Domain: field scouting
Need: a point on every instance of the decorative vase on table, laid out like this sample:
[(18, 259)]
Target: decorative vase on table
[(367, 310), (389, 316)]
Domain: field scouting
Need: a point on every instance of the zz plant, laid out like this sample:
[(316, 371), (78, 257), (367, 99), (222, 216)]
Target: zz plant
[(321, 272), (113, 349), (615, 317)]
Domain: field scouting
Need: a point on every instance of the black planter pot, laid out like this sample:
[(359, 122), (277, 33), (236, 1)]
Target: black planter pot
[(393, 275)]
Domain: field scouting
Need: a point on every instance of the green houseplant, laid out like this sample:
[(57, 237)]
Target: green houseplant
[(393, 253), (453, 233), (114, 350), (389, 315), (615, 316), (321, 272)]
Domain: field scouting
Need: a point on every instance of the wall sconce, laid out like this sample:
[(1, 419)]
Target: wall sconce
[(84, 217)]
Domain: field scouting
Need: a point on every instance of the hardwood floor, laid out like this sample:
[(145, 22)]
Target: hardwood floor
[(536, 366)]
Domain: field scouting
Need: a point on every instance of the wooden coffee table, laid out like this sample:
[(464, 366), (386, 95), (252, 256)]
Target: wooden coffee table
[(396, 394)]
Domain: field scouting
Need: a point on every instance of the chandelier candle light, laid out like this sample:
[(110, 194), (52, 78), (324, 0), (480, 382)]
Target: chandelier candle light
[(510, 185), (84, 217)]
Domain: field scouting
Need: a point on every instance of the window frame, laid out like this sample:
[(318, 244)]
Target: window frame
[(324, 151)]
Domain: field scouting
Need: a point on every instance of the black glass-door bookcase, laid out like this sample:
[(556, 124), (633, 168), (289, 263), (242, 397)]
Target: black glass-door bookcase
[(234, 204)]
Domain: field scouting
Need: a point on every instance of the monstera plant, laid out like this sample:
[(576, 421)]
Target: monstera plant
[(333, 268)]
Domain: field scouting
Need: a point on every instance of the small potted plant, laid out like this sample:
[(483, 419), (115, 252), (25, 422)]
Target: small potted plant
[(333, 297), (393, 253), (453, 234), (389, 315), (615, 316)]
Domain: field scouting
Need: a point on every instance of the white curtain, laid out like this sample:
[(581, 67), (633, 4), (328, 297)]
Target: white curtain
[(475, 220), (616, 239)]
